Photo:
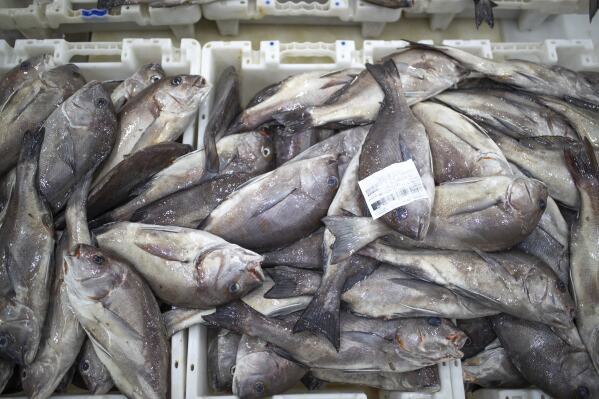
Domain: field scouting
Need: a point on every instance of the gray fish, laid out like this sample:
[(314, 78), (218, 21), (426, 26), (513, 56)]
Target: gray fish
[(116, 186), (28, 69), (480, 334), (260, 372), (161, 112), (204, 270), (179, 319), (251, 152), (492, 368), (584, 251), (6, 189), (392, 3), (424, 74), (306, 253), (222, 353), (513, 113), (295, 92), (121, 316), (423, 380), (545, 360), (511, 282), (487, 213), (291, 282), (31, 104), (400, 345), (27, 238), (288, 145), (134, 84), (79, 136), (226, 105), (585, 122), (459, 147), (279, 207), (483, 11), (62, 336), (7, 369), (95, 375)]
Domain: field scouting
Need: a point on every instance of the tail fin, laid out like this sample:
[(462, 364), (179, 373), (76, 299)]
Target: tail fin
[(582, 163), (289, 282), (483, 11), (76, 213), (593, 6), (387, 76), (231, 316), (297, 120), (352, 234)]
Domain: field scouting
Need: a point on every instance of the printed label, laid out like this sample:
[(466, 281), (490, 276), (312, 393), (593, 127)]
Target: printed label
[(392, 187)]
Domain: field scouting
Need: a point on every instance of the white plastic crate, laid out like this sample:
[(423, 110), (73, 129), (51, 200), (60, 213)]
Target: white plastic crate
[(26, 16), (118, 60), (229, 13)]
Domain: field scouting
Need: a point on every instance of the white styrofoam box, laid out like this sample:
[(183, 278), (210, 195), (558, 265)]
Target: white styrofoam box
[(114, 61), (509, 394), (26, 16), (229, 13)]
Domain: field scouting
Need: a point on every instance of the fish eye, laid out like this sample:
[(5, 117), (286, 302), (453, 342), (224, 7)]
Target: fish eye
[(98, 259), (85, 365), (25, 65), (24, 374), (176, 81), (3, 342), (434, 321), (582, 392), (561, 286), (259, 387), (101, 102), (265, 152), (233, 288), (155, 78), (332, 181), (542, 204), (232, 370)]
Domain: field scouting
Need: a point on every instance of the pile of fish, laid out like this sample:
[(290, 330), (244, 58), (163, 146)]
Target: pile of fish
[(328, 232)]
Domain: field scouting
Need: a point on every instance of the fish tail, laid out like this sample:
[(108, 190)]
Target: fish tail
[(483, 11), (32, 145), (387, 76), (351, 235), (231, 316), (297, 120), (593, 7), (583, 166), (286, 281)]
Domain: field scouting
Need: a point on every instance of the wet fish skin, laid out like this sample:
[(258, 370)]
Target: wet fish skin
[(30, 68), (290, 145), (27, 238), (422, 380), (545, 360), (95, 375), (222, 353), (306, 253), (226, 105), (480, 334), (134, 84), (252, 152), (584, 122), (7, 183), (130, 335), (205, 270), (286, 204), (291, 282), (492, 368), (31, 104), (79, 135)]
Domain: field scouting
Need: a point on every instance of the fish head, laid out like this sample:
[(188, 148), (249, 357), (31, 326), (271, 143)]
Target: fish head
[(321, 178), (19, 333), (65, 77), (181, 93), (91, 105), (29, 67), (254, 153), (430, 338), (35, 377), (94, 375), (149, 74), (528, 198), (228, 272)]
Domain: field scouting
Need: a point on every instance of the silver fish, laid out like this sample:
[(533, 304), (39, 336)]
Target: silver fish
[(226, 105), (28, 69), (95, 375), (134, 84), (492, 368), (585, 122), (422, 380), (289, 145), (222, 354)]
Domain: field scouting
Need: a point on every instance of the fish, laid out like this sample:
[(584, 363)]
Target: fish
[(27, 237), (511, 282), (290, 145), (584, 256), (6, 189), (492, 368), (388, 293), (293, 93), (95, 375), (160, 112), (483, 11), (122, 319), (546, 361), (260, 372), (480, 334), (145, 76), (29, 106), (290, 282), (279, 207), (251, 152), (487, 213), (116, 187), (222, 354), (394, 4), (179, 319), (79, 135), (7, 369), (226, 104), (423, 380), (423, 73), (62, 336), (306, 253), (372, 346), (459, 147), (28, 69), (397, 136), (204, 270)]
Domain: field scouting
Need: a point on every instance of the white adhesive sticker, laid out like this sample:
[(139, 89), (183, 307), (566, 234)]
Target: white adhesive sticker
[(396, 185)]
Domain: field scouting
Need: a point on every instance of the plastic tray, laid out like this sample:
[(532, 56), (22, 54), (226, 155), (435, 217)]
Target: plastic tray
[(117, 60), (26, 16)]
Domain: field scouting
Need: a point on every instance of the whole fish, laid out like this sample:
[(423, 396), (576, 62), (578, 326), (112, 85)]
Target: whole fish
[(279, 207), (79, 136), (31, 68), (134, 84), (513, 113), (121, 316), (62, 336), (226, 105), (27, 238), (397, 136), (294, 93), (203, 270), (290, 282), (288, 145), (424, 74), (584, 247), (492, 368), (545, 360), (29, 106), (7, 369), (401, 345), (261, 372), (480, 334), (423, 380), (459, 147), (393, 3), (488, 213), (306, 253), (95, 375), (483, 11), (222, 353), (511, 282), (115, 187), (160, 112)]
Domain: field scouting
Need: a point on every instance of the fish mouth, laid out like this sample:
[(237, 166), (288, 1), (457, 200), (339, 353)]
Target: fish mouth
[(256, 272), (200, 82)]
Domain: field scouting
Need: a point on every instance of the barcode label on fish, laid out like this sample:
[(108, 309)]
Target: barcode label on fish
[(392, 187)]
